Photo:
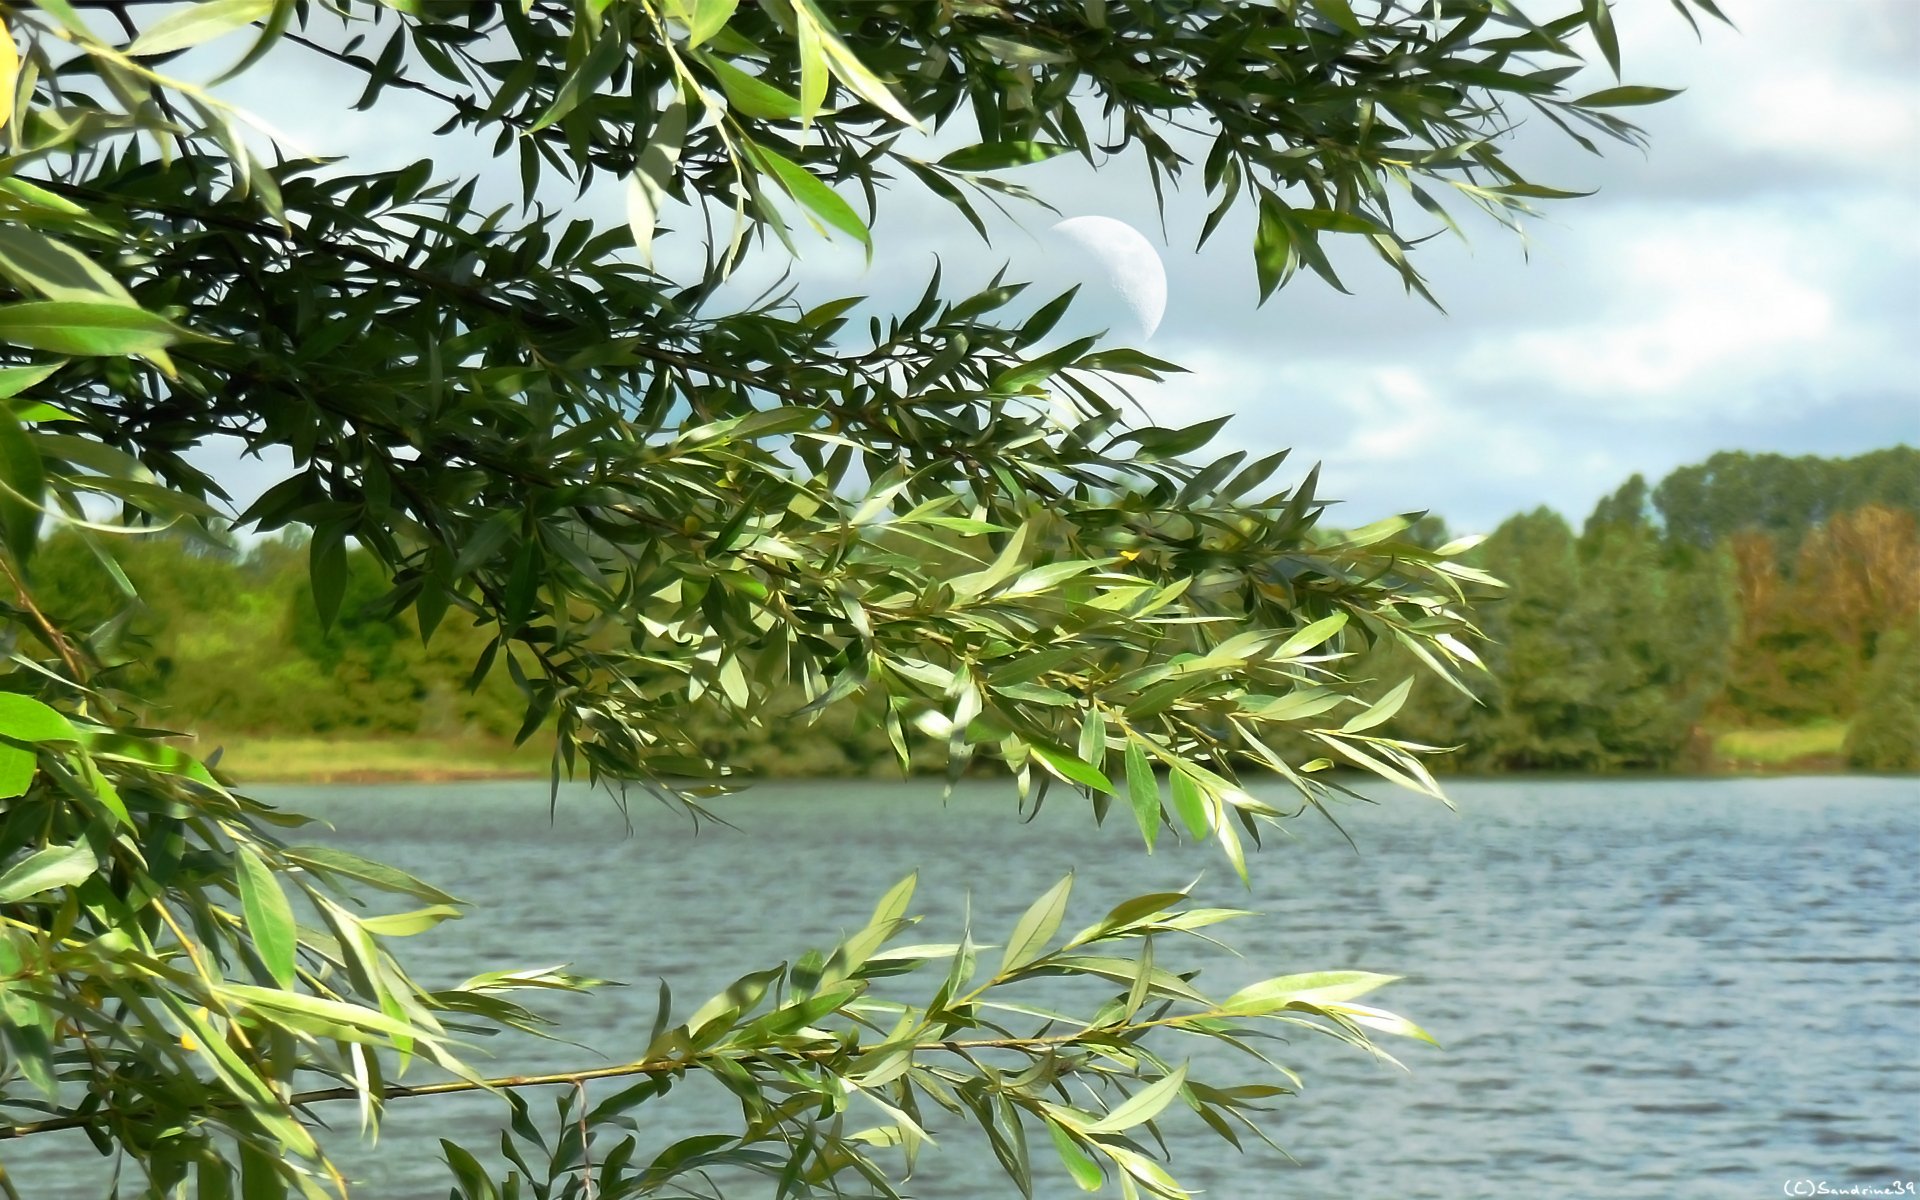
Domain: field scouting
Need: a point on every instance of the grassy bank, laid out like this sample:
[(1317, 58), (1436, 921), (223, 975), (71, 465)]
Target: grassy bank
[(1807, 747), (424, 759), (363, 760)]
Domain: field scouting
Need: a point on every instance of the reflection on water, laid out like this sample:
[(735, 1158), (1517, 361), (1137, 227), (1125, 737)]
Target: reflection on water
[(1683, 987)]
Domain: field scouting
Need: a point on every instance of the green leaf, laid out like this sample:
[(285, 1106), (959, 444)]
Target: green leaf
[(817, 31), (812, 194), (750, 95), (1071, 769), (46, 869), (1036, 927), (14, 380), (327, 571), (17, 769), (1378, 1019), (1190, 803), (1316, 987), (1341, 14), (995, 156), (408, 924), (1382, 709), (260, 1174), (268, 916), (1144, 1105), (38, 263), (200, 23), (1079, 1164), (1022, 53), (1273, 255), (707, 18), (1311, 636), (25, 719), (73, 327), (330, 861), (23, 486), (653, 174), (1599, 14), (1621, 97), (1143, 790)]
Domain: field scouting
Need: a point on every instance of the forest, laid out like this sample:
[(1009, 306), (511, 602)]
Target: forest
[(1751, 610)]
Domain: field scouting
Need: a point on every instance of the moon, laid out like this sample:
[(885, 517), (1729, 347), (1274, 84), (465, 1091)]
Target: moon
[(1130, 262)]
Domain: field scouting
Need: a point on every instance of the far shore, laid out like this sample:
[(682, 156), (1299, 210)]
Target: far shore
[(1814, 750)]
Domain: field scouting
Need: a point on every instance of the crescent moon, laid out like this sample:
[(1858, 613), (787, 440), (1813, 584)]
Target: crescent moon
[(1130, 262)]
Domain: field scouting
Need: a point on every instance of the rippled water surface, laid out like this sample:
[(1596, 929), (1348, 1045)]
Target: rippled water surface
[(1680, 988)]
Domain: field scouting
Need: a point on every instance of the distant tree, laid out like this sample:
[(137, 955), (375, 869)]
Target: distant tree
[(655, 503), (1785, 498), (1629, 510), (1544, 704), (1811, 637), (1885, 736)]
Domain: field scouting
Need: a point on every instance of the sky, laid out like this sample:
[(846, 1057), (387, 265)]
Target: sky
[(1750, 282)]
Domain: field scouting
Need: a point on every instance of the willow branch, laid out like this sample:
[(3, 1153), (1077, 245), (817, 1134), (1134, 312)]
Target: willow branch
[(646, 1066)]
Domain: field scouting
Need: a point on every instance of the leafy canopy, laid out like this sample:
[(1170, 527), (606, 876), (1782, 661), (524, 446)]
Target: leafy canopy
[(652, 499)]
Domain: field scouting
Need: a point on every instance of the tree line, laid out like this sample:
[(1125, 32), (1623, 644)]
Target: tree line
[(1751, 591), (1748, 591)]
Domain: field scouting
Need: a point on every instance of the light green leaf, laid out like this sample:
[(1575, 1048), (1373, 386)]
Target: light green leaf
[(1036, 927), (38, 263), (1190, 802), (25, 719), (407, 924), (1382, 709), (1378, 1019), (815, 196), (1316, 987), (73, 327), (750, 95), (330, 861), (1079, 1164), (199, 23), (653, 175), (268, 916), (18, 766), (1311, 636), (14, 380), (709, 18), (1143, 790), (1144, 1105), (1022, 53), (1071, 769), (846, 66), (44, 870)]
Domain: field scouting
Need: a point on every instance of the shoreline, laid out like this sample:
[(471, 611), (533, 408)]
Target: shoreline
[(362, 761)]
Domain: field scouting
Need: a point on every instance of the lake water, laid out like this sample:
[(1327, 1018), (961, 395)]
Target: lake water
[(1681, 988)]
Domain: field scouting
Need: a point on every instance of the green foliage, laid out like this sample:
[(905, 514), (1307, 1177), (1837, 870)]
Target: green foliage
[(640, 503), (1623, 648), (1886, 734), (1782, 497)]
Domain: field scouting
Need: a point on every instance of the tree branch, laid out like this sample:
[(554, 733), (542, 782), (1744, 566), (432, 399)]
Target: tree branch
[(659, 1066)]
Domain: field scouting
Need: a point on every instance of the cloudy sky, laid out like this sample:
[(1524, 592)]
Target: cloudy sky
[(1752, 282)]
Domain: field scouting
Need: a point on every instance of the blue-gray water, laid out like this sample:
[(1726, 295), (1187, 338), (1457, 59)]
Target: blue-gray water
[(1678, 988)]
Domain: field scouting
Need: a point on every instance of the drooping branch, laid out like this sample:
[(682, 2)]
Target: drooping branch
[(650, 1066)]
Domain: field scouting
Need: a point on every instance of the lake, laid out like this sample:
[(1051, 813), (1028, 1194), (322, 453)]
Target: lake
[(1664, 988)]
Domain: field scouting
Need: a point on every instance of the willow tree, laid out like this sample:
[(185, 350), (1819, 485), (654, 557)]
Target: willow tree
[(653, 500)]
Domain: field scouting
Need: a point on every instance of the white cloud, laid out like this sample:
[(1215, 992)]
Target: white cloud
[(1692, 308)]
